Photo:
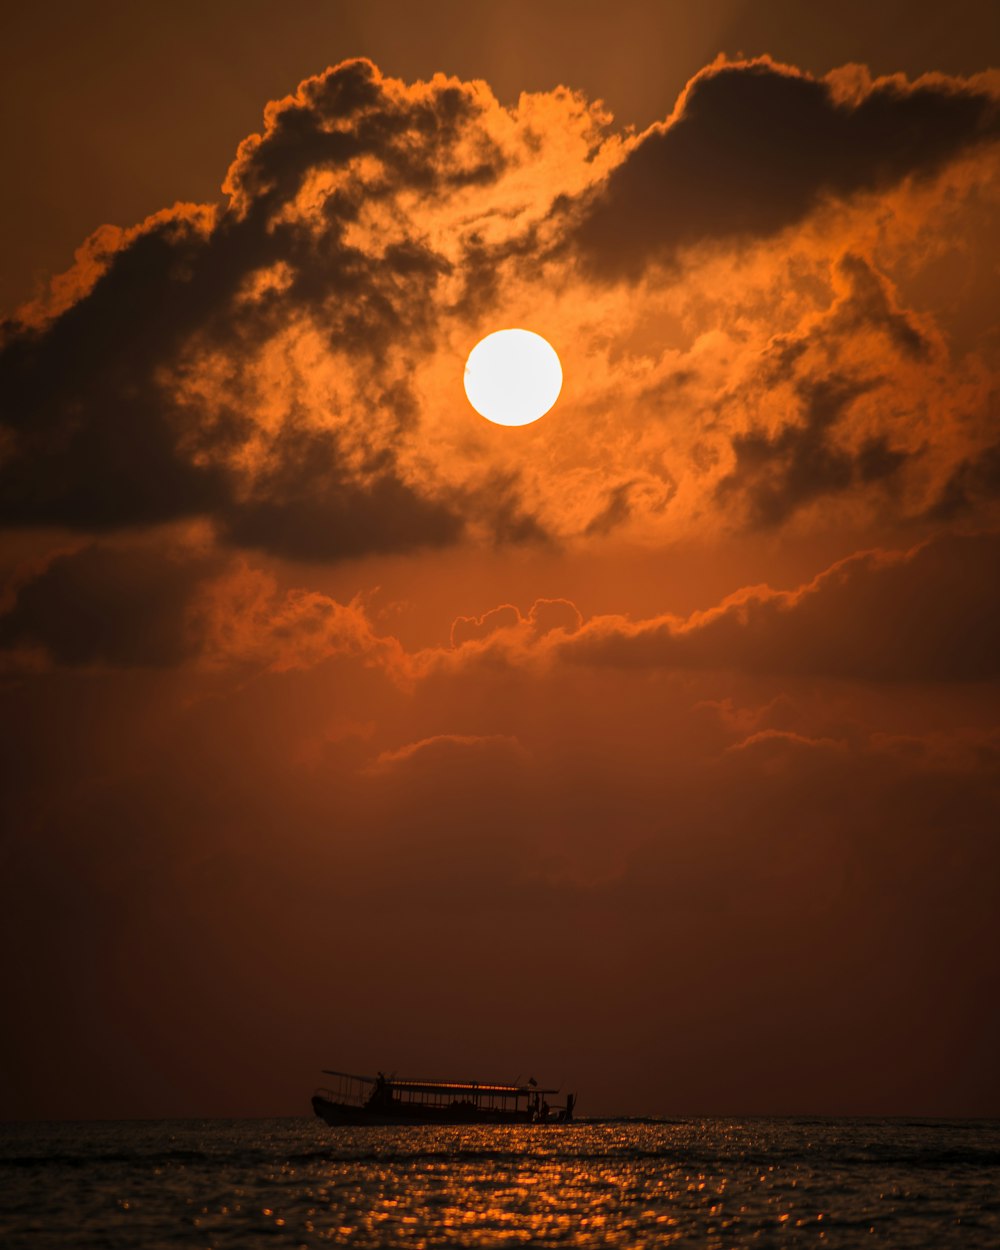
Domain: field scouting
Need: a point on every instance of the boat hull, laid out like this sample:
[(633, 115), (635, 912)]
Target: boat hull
[(343, 1114)]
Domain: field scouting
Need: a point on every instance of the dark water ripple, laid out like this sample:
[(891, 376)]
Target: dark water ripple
[(295, 1183)]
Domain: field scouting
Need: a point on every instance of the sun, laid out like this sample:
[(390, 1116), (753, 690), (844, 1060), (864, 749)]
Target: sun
[(513, 377)]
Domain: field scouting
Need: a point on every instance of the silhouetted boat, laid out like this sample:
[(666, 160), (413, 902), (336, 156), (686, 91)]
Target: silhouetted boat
[(385, 1100)]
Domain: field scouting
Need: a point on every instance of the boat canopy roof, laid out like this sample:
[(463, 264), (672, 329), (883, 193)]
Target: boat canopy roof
[(443, 1087)]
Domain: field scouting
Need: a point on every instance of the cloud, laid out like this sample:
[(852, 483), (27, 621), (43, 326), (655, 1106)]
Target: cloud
[(783, 725), (965, 750), (871, 305), (100, 605), (446, 751), (287, 364), (753, 146), (856, 407), (973, 483), (471, 628), (928, 614), (616, 511), (304, 504), (767, 741), (547, 615), (164, 603), (90, 437), (544, 616), (133, 404), (245, 620), (778, 474)]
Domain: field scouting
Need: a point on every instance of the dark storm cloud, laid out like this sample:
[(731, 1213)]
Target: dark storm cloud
[(776, 475), (973, 483), (755, 146), (499, 501), (932, 614), (870, 306), (123, 607), (307, 132), (91, 439), (867, 308), (92, 434), (305, 506), (615, 512)]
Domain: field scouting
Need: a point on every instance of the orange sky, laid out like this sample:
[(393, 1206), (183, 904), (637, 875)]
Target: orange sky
[(651, 748)]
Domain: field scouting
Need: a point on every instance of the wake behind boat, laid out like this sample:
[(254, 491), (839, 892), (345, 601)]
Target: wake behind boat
[(360, 1100)]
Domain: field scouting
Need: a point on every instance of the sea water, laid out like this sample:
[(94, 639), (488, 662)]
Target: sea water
[(710, 1183)]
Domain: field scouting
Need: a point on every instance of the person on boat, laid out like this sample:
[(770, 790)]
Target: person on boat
[(382, 1093)]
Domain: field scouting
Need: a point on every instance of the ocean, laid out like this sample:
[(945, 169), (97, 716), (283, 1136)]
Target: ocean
[(711, 1183)]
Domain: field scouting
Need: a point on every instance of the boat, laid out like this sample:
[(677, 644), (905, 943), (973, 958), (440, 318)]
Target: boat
[(381, 1099)]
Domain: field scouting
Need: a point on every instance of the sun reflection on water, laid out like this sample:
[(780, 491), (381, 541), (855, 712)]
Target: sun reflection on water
[(293, 1183)]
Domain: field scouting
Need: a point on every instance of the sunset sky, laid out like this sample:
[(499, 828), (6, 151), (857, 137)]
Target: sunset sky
[(651, 749)]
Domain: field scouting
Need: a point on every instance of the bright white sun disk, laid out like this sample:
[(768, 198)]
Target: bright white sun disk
[(513, 377)]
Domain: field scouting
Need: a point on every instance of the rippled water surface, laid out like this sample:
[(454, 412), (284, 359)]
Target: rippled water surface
[(712, 1183)]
